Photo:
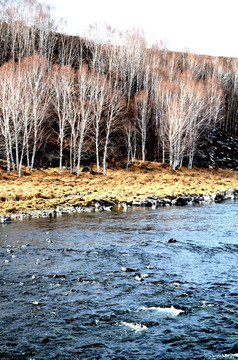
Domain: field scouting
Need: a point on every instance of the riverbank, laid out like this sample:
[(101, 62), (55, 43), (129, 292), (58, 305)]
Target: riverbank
[(42, 190)]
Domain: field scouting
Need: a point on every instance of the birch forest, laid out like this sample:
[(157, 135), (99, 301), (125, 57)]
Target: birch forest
[(80, 100)]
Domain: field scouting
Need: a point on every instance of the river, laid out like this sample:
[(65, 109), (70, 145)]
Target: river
[(109, 285)]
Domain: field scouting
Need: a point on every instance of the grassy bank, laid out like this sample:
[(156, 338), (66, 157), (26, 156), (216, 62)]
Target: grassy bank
[(42, 189)]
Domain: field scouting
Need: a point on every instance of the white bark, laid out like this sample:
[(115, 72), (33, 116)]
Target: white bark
[(85, 93), (115, 107), (62, 80)]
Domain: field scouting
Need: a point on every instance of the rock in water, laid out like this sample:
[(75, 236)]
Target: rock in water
[(172, 240), (128, 269), (5, 220)]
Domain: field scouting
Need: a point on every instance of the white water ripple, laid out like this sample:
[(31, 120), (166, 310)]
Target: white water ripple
[(162, 311), (135, 326)]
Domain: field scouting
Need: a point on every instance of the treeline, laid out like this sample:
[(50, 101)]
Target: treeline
[(97, 101)]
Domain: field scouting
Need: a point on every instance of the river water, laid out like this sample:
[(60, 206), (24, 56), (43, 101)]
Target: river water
[(64, 294)]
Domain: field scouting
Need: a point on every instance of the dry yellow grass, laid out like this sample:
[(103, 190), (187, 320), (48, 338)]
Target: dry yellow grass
[(43, 189)]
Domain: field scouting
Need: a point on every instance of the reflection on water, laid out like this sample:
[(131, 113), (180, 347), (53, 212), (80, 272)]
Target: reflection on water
[(64, 295)]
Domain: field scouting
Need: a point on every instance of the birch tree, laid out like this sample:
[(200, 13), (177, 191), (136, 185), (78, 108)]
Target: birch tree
[(16, 107), (62, 81), (36, 73), (16, 91), (5, 115), (100, 98), (130, 136), (26, 26), (85, 98), (115, 107), (142, 115)]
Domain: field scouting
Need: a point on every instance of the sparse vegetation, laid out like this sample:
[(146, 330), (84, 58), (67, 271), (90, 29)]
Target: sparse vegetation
[(42, 189)]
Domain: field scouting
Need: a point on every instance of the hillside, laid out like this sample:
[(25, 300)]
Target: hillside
[(70, 101)]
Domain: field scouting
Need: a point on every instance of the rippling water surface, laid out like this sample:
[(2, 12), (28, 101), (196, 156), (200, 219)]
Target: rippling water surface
[(63, 294)]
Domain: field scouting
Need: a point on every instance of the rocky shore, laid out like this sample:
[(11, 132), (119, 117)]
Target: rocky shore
[(150, 201)]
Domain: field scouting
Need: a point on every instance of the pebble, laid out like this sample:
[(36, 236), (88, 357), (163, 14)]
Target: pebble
[(142, 243), (49, 241), (10, 251), (57, 276)]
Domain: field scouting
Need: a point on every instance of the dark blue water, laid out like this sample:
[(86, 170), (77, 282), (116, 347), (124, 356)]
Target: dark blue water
[(63, 294)]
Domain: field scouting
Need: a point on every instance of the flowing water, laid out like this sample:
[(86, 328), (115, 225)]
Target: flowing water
[(64, 294)]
